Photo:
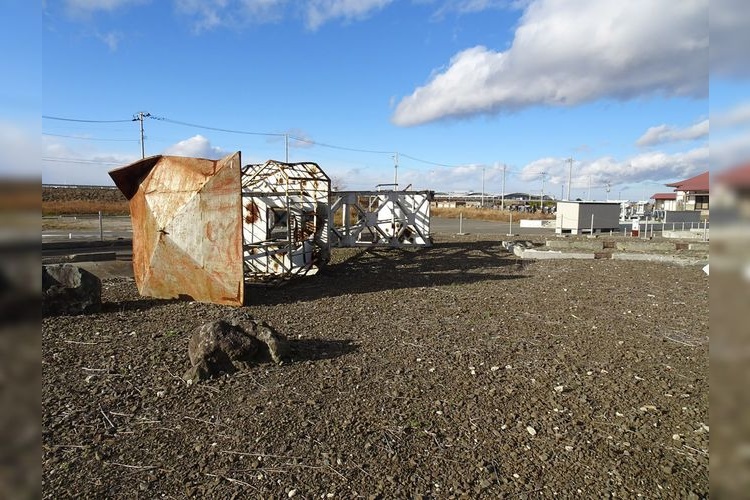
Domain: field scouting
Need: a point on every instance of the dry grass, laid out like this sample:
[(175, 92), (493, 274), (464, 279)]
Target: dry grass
[(80, 207), (486, 214)]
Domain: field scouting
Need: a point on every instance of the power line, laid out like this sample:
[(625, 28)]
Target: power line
[(343, 148), (83, 161), (140, 116), (59, 118), (218, 129), (83, 138), (431, 162)]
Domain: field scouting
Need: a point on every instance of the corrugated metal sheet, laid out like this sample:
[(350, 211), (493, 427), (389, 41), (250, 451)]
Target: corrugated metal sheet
[(187, 227)]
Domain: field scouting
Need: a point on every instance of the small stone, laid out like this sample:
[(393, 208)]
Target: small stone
[(568, 448), (531, 430), (676, 437), (495, 368), (291, 493), (559, 388)]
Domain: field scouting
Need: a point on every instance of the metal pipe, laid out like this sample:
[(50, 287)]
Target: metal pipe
[(101, 227)]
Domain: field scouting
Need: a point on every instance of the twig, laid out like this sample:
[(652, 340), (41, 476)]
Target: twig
[(232, 480), (251, 454), (139, 467), (106, 417), (80, 342), (318, 467), (704, 453), (679, 341), (203, 421), (68, 446)]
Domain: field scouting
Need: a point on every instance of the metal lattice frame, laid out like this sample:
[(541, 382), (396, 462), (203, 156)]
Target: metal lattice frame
[(380, 218), (284, 219)]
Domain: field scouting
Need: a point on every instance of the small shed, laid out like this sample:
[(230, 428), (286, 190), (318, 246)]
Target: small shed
[(577, 217)]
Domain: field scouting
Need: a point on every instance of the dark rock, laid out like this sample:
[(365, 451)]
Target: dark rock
[(215, 347), (225, 346), (69, 289)]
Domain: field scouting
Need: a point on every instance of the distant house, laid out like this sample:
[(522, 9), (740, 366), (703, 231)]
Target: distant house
[(665, 201), (692, 193)]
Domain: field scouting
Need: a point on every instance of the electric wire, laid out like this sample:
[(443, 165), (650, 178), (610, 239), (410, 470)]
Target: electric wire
[(79, 120), (254, 133), (82, 161), (83, 138), (218, 129)]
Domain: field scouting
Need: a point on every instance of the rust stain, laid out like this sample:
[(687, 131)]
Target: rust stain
[(253, 213)]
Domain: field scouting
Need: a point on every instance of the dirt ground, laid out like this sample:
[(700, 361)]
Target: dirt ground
[(451, 372)]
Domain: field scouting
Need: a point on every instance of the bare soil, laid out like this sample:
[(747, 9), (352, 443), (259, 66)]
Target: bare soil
[(449, 372)]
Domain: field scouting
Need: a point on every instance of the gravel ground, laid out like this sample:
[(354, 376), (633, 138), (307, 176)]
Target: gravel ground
[(451, 372)]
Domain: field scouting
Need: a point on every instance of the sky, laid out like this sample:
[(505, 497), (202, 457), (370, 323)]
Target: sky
[(447, 95)]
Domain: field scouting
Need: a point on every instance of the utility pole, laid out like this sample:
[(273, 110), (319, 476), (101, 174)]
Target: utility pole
[(395, 171), (482, 187), (286, 147), (570, 175), (609, 186), (541, 197), (139, 117), (502, 196)]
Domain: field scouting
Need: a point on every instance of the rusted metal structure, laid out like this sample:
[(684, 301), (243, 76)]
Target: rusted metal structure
[(187, 227), (285, 219), (203, 228), (381, 218)]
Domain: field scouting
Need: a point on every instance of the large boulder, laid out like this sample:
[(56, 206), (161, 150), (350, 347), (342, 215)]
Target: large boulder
[(69, 289), (231, 344)]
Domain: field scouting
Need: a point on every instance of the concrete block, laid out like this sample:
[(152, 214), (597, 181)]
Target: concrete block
[(578, 244), (555, 255), (645, 245), (668, 259), (703, 246)]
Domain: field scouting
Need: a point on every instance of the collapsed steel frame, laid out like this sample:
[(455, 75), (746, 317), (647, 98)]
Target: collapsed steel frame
[(285, 219), (381, 218), (291, 219)]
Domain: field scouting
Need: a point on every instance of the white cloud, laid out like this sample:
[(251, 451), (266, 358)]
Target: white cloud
[(211, 14), (197, 147), (737, 115), (111, 40), (651, 166), (319, 12), (62, 164), (730, 37), (19, 151), (666, 133), (90, 6), (569, 52)]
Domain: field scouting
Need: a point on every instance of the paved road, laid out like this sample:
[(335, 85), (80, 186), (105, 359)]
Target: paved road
[(471, 226)]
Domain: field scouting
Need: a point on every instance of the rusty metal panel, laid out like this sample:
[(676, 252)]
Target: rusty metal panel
[(380, 218), (187, 227)]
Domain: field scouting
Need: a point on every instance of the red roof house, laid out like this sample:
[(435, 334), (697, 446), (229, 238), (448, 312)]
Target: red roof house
[(691, 194), (697, 183)]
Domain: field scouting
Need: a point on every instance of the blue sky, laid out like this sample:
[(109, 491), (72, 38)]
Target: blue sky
[(458, 88)]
